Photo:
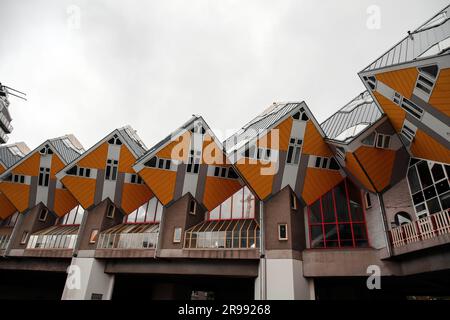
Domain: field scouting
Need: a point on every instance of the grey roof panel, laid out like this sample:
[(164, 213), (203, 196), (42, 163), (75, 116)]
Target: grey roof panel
[(133, 140), (7, 157), (262, 122), (67, 148), (361, 111)]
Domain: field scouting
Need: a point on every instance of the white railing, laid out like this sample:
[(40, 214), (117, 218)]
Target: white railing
[(422, 229), (52, 241), (4, 240), (128, 240)]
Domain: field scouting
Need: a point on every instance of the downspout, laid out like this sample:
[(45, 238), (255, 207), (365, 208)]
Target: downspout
[(263, 268), (382, 209)]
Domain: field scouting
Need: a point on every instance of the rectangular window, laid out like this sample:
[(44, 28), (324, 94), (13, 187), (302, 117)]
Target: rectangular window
[(193, 165), (336, 220), (43, 215), (293, 198), (192, 207), (44, 176), (93, 236), (110, 212), (24, 238), (282, 232), (294, 151), (368, 200), (111, 169), (412, 109), (383, 141), (408, 133), (177, 235)]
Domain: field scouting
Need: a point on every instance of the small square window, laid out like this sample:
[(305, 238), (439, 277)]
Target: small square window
[(192, 207), (177, 235), (368, 200), (282, 232), (93, 236)]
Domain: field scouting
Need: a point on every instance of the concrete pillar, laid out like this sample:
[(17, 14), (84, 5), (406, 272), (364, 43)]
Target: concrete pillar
[(86, 280), (285, 280)]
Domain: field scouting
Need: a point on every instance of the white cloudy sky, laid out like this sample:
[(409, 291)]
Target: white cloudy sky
[(153, 64)]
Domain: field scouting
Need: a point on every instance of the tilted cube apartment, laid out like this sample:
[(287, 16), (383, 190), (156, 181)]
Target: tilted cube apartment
[(286, 208)]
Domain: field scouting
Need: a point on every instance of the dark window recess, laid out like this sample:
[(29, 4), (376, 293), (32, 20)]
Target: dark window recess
[(161, 164), (216, 171), (110, 212), (133, 178), (438, 172), (424, 174), (168, 164), (72, 171), (151, 163), (430, 70), (282, 232), (442, 186), (44, 177), (305, 117), (192, 206), (232, 174), (22, 179), (334, 164), (318, 160), (430, 192), (43, 215), (297, 116)]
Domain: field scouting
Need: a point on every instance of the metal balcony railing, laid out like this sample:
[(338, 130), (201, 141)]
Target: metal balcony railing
[(422, 229), (4, 241), (129, 236), (223, 234), (56, 237)]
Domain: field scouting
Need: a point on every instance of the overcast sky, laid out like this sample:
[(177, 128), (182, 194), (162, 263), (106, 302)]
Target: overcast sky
[(91, 66)]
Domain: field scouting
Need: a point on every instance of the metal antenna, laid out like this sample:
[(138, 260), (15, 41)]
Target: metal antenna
[(19, 94)]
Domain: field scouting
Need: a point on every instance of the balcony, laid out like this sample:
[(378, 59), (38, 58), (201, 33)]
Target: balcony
[(421, 234), (5, 124), (128, 240), (56, 241)]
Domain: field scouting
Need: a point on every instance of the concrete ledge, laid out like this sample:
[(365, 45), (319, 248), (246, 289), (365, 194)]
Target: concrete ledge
[(124, 253), (422, 244), (230, 268), (344, 263), (48, 253), (210, 254), (34, 264)]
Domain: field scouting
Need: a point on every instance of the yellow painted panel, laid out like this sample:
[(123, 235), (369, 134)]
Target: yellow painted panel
[(64, 202), (6, 207), (126, 160), (313, 143), (425, 147), (83, 189), (378, 163), (261, 183), (440, 98), (402, 81), (217, 190), (57, 166), (96, 158), (318, 182), (395, 114), (177, 150), (29, 166), (134, 195), (161, 182), (17, 193), (355, 169)]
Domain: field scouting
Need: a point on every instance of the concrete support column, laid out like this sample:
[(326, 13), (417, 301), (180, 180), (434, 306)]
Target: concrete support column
[(86, 280), (285, 280)]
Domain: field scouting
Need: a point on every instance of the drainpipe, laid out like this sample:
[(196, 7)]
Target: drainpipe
[(158, 238), (263, 268), (385, 224)]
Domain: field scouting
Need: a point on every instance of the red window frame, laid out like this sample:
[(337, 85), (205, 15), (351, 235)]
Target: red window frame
[(338, 243)]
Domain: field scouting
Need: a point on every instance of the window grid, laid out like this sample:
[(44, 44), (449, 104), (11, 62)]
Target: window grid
[(244, 206), (111, 169), (324, 243), (151, 216)]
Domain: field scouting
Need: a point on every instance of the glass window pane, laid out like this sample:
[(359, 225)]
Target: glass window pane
[(359, 230), (345, 231), (131, 218), (159, 212), (238, 205), (413, 180), (214, 214), (445, 201), (433, 206), (141, 213), (151, 211), (315, 213), (331, 232), (438, 172), (424, 174), (226, 209), (356, 207), (317, 237), (340, 196), (249, 204), (328, 208)]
